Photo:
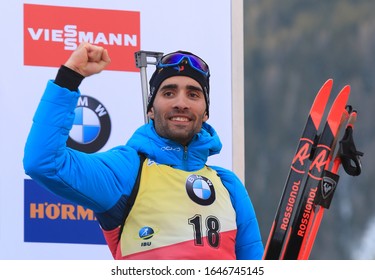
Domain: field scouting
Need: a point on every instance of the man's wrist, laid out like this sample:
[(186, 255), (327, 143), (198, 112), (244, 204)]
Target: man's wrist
[(68, 78)]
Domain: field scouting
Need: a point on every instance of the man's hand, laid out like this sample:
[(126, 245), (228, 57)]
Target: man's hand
[(88, 59)]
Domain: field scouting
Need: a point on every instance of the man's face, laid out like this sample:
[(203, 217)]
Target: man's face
[(179, 109)]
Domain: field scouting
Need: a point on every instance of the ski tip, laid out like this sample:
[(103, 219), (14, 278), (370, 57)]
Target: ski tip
[(320, 102), (342, 98), (346, 88), (338, 108), (327, 86), (323, 94), (344, 93), (329, 82)]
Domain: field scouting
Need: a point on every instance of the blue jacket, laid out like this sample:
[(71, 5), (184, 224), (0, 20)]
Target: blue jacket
[(103, 181)]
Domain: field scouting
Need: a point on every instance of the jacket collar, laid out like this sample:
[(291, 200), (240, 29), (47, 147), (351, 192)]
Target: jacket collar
[(164, 151)]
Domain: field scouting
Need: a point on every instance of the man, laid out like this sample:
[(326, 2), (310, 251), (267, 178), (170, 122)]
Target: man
[(184, 209)]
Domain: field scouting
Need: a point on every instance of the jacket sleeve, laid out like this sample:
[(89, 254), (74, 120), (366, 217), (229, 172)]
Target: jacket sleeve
[(249, 244), (96, 181)]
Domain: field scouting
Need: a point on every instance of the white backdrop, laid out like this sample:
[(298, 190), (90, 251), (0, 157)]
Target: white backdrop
[(202, 27)]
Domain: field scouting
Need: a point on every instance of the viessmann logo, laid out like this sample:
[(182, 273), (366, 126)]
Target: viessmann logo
[(51, 33)]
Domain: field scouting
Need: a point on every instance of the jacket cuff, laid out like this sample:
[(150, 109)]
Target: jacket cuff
[(68, 78)]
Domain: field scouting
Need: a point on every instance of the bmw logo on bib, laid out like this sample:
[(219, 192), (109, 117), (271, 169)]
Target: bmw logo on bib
[(200, 190)]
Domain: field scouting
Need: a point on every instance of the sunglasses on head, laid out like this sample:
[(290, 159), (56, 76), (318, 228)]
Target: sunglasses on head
[(174, 59)]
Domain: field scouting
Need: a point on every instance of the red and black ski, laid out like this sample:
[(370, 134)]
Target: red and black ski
[(299, 167), (346, 155), (321, 157)]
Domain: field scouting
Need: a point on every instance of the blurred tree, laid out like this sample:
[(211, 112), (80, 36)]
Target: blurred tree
[(291, 48)]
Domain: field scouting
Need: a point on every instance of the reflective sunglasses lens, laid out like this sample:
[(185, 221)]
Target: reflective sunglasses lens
[(172, 58), (175, 58), (198, 63)]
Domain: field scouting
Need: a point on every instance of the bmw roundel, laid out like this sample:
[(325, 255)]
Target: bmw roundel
[(200, 189), (91, 127)]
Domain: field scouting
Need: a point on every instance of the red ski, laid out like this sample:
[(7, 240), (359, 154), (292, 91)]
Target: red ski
[(321, 157), (348, 156), (299, 167)]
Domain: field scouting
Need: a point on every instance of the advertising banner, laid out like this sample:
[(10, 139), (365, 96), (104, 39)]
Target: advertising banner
[(38, 37)]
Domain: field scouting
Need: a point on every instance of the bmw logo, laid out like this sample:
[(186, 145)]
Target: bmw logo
[(91, 127), (200, 189)]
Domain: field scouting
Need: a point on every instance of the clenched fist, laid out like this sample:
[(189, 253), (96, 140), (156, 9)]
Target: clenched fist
[(88, 59)]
